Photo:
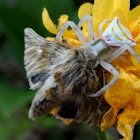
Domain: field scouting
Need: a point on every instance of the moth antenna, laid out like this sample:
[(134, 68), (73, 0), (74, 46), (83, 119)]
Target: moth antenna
[(51, 52), (56, 27), (63, 40), (54, 23)]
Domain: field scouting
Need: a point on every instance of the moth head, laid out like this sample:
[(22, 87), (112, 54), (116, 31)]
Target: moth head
[(100, 49)]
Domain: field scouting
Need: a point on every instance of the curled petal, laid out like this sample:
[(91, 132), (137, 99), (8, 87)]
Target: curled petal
[(47, 22), (109, 118), (125, 130)]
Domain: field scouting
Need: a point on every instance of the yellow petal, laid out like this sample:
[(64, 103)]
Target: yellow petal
[(135, 13), (135, 28), (120, 14), (47, 22), (62, 20), (137, 39), (109, 118), (107, 9), (53, 111), (84, 9), (119, 97), (50, 38), (124, 6), (69, 34), (74, 43), (101, 9), (67, 121)]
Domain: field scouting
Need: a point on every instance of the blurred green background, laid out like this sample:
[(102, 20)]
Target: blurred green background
[(15, 96)]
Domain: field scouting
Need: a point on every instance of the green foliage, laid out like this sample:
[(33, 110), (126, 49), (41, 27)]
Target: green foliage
[(29, 14)]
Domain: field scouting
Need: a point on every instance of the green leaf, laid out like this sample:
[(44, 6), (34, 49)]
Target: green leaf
[(14, 21), (12, 98)]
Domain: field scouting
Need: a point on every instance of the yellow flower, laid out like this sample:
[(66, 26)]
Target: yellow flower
[(125, 94), (70, 36)]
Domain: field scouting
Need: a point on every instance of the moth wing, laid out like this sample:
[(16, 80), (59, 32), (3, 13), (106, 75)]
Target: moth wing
[(37, 51), (40, 106)]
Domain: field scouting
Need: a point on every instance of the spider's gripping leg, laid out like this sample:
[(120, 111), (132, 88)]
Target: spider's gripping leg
[(91, 33), (132, 52), (119, 51), (101, 26), (115, 54), (112, 70), (78, 32)]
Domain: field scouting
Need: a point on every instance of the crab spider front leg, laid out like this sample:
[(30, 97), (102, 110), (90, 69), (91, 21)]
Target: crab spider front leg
[(119, 51), (101, 26), (112, 70), (91, 33), (77, 31)]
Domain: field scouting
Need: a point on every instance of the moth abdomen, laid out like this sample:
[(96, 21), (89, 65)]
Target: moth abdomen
[(41, 108), (82, 109), (68, 110)]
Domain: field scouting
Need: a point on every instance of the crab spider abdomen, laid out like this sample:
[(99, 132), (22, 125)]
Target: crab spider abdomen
[(116, 34)]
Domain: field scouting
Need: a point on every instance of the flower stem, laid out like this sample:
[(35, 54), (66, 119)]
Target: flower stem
[(101, 134)]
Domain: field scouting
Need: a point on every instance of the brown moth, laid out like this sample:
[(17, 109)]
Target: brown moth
[(64, 83)]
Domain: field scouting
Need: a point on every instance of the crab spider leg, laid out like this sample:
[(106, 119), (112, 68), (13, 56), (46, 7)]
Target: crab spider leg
[(112, 70), (91, 34), (78, 32), (115, 54), (119, 51), (101, 26), (123, 59), (132, 52)]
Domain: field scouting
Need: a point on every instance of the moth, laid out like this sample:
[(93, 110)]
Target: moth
[(63, 84), (70, 81)]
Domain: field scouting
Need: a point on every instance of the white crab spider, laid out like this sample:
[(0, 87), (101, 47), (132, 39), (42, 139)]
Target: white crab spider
[(116, 37)]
